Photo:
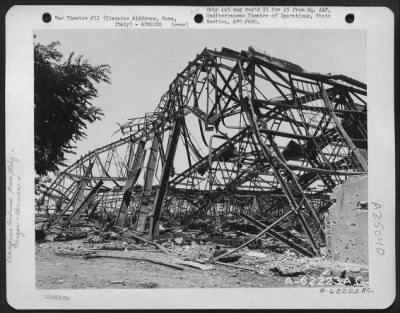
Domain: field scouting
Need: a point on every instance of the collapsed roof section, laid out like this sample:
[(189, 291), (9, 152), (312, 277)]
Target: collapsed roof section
[(236, 134)]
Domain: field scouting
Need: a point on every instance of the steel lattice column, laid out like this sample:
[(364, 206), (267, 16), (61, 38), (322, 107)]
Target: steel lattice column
[(130, 183), (145, 207)]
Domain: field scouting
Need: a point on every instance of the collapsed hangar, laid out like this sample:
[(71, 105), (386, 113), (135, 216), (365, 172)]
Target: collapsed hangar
[(237, 134)]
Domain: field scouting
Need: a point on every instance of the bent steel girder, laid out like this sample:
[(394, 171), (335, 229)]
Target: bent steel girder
[(231, 127)]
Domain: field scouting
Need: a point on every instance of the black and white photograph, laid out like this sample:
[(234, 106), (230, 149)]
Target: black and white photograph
[(248, 168), (168, 158)]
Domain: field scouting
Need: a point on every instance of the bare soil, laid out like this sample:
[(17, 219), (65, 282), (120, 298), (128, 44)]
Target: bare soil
[(269, 269), (65, 272)]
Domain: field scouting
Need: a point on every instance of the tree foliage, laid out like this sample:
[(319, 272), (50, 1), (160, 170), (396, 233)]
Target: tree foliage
[(64, 90)]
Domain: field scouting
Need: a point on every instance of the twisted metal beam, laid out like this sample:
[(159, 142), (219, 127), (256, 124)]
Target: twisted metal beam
[(232, 126)]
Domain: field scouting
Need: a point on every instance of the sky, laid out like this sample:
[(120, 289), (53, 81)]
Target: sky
[(144, 62)]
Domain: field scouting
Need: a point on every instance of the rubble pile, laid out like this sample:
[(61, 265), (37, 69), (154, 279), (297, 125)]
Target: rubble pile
[(178, 249)]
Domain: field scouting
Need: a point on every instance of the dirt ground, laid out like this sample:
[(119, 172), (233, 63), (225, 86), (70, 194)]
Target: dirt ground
[(270, 269), (64, 272)]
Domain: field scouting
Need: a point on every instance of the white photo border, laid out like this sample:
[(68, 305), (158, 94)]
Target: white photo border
[(21, 21)]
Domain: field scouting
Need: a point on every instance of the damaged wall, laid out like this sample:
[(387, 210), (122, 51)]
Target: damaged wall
[(347, 222)]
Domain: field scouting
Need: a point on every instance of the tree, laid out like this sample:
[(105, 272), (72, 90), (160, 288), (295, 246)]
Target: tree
[(64, 91)]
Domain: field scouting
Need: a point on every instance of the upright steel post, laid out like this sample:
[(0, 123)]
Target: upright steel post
[(133, 175), (166, 170)]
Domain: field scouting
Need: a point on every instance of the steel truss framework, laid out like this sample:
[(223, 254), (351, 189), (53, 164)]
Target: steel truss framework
[(237, 133)]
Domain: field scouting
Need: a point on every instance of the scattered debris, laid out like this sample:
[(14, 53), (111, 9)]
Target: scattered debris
[(149, 285), (237, 266), (126, 234), (77, 253), (178, 240), (203, 267), (137, 259), (230, 258), (49, 237), (256, 254), (287, 272)]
